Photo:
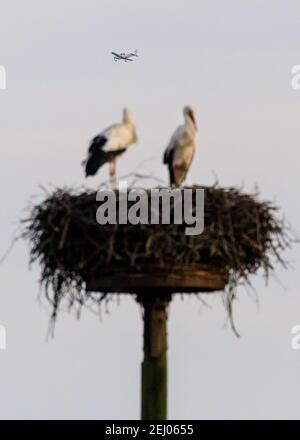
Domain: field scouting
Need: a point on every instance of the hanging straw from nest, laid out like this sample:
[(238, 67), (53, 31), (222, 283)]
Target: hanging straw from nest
[(241, 235)]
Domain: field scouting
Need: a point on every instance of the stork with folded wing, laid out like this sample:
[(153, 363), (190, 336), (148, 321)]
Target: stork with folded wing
[(107, 146), (180, 151)]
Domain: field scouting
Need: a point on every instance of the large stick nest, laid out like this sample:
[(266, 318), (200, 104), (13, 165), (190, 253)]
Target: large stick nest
[(241, 234)]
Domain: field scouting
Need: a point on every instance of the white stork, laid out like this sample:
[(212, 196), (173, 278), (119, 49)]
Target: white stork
[(180, 151), (109, 144)]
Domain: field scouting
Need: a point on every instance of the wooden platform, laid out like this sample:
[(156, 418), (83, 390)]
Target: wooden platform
[(171, 278)]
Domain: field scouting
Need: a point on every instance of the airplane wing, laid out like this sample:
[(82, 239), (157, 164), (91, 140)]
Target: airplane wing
[(121, 57), (116, 55)]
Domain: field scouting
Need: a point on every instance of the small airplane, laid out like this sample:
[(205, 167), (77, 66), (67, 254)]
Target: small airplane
[(125, 56)]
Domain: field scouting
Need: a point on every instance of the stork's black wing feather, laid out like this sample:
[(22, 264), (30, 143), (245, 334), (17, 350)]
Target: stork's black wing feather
[(166, 157), (169, 161), (98, 157), (97, 143)]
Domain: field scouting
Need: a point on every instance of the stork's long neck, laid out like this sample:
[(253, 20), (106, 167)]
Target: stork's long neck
[(190, 123), (127, 118)]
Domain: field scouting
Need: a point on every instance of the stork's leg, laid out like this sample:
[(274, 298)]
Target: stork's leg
[(112, 174)]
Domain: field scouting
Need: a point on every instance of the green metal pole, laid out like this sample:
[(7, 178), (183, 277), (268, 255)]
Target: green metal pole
[(154, 366)]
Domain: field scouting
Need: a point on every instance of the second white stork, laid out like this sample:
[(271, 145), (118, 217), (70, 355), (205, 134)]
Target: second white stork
[(109, 145), (180, 151)]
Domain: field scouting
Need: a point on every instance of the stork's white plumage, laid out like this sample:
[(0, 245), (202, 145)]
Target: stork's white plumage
[(180, 151), (110, 144)]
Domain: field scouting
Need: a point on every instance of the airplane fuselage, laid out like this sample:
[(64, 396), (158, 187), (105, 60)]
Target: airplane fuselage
[(124, 56)]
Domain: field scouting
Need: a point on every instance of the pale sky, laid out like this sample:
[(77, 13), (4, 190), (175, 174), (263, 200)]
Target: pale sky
[(231, 61)]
